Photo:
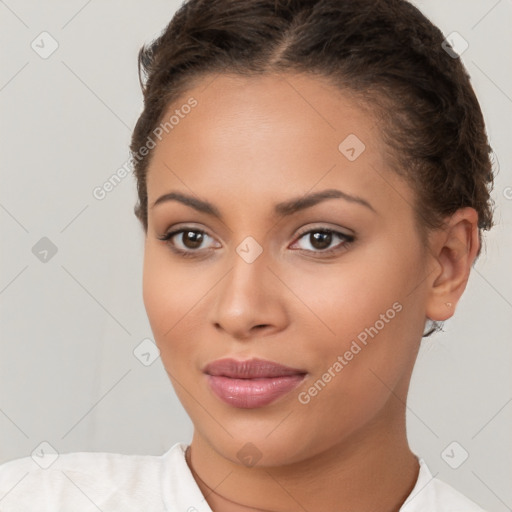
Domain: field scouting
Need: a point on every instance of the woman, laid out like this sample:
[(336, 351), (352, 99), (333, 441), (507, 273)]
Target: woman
[(313, 181)]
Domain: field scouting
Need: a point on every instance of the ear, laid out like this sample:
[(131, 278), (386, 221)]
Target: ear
[(453, 248)]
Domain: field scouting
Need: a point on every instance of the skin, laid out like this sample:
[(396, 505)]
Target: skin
[(248, 144)]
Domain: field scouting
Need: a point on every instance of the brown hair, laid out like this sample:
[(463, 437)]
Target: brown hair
[(384, 52)]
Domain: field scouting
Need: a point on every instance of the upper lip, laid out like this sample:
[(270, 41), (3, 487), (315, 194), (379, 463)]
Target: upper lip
[(249, 369)]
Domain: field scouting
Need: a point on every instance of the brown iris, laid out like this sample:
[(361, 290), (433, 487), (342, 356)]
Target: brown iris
[(320, 239), (195, 238)]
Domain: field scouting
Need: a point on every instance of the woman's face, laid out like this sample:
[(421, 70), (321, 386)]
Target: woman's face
[(346, 308)]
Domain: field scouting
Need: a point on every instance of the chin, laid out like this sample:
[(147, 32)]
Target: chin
[(261, 449)]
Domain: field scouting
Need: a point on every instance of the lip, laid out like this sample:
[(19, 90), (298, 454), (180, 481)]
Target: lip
[(252, 383), (249, 369)]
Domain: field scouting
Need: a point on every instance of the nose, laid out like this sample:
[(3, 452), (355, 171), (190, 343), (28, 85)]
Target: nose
[(249, 300)]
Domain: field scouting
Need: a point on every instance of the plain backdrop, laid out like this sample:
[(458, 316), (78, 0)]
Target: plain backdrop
[(71, 307)]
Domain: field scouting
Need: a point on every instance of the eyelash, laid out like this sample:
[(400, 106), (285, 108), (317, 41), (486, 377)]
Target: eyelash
[(347, 241)]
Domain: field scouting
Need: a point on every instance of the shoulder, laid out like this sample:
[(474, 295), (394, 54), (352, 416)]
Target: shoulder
[(431, 494), (81, 480), (453, 500)]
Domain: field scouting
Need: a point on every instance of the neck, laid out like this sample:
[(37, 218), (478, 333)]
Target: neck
[(373, 470)]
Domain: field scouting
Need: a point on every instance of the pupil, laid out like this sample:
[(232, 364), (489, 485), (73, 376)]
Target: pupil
[(321, 240), (195, 238)]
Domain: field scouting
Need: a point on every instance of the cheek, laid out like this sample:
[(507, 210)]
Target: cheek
[(170, 295), (340, 300), (356, 372), (365, 314)]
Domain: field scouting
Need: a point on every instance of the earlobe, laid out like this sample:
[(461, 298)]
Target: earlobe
[(454, 249)]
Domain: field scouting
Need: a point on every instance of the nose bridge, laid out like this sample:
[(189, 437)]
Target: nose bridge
[(247, 297), (249, 273)]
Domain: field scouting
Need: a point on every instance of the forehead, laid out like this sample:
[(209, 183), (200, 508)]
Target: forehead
[(270, 136)]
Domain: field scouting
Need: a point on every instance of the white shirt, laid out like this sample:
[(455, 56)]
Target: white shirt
[(108, 482)]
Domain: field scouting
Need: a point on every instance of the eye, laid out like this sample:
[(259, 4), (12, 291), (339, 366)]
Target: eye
[(320, 240), (186, 241), (190, 242)]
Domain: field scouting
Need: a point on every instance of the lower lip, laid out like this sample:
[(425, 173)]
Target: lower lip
[(252, 393)]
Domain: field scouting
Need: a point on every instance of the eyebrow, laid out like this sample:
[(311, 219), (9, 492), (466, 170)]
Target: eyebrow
[(283, 209)]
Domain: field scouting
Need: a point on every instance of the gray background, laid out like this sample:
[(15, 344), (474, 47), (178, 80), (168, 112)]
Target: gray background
[(69, 326)]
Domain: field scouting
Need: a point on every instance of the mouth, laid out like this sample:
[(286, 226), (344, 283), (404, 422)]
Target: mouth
[(252, 383)]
